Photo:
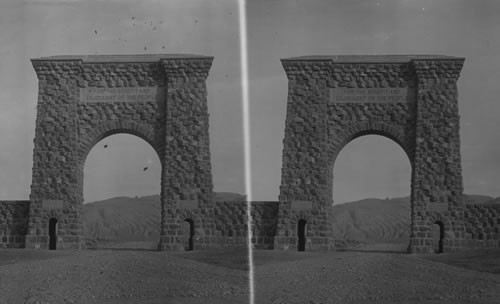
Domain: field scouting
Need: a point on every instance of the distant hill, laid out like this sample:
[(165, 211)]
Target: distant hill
[(228, 196), (383, 220), (373, 220), (125, 219), (473, 199)]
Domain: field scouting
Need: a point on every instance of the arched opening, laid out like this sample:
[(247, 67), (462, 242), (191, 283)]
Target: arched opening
[(371, 189), (121, 191), (188, 231), (438, 236), (53, 234), (301, 235)]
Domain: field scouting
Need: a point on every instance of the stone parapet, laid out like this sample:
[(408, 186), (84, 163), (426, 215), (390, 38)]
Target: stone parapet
[(13, 223), (482, 225)]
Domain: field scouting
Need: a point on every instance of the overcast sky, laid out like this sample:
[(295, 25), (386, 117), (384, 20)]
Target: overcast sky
[(370, 166), (373, 166)]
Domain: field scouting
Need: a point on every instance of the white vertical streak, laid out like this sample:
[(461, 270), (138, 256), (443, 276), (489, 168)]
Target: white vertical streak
[(246, 135)]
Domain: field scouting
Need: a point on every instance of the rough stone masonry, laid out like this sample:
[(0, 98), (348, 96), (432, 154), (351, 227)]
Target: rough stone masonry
[(331, 101), (335, 99), (83, 99)]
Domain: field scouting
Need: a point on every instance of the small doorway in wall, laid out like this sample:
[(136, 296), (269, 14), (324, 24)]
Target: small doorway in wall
[(52, 234), (301, 233), (438, 236), (189, 233)]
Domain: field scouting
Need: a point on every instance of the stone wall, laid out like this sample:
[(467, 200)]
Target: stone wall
[(231, 223), (482, 225), (232, 227), (265, 216), (13, 223)]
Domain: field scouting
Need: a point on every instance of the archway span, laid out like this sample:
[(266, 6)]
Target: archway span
[(121, 165), (389, 131), (143, 131), (377, 155), (124, 172), (88, 140), (374, 172)]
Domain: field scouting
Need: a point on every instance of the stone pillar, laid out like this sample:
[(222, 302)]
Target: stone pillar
[(55, 190), (187, 179), (437, 174), (305, 170)]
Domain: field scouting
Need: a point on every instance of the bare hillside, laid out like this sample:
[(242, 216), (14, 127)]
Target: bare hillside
[(125, 219), (373, 220), (382, 220)]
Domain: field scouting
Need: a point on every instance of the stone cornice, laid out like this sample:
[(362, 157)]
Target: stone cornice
[(120, 58)]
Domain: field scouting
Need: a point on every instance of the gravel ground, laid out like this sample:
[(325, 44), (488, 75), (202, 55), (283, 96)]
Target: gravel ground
[(116, 276), (369, 277), (140, 276)]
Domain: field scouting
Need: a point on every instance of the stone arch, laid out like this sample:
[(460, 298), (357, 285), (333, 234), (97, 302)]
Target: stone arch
[(195, 218), (335, 99), (438, 217), (380, 128), (301, 241), (89, 140), (83, 99), (354, 131), (51, 221), (446, 235), (143, 131), (53, 214), (55, 240)]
